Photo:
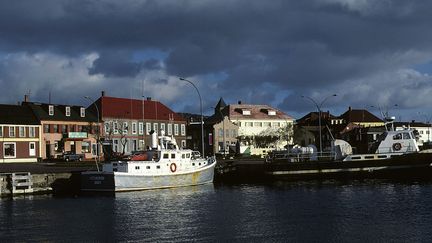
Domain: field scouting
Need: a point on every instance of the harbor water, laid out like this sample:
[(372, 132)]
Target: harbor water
[(313, 211)]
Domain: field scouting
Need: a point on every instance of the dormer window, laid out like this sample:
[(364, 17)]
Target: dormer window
[(82, 112), (271, 113), (67, 111), (51, 110), (246, 112)]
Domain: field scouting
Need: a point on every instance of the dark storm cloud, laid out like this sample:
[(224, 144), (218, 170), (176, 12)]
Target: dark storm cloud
[(301, 47)]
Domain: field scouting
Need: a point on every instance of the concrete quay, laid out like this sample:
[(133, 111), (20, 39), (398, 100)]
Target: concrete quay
[(42, 178)]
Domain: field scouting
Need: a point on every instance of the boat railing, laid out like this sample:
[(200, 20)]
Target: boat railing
[(303, 157)]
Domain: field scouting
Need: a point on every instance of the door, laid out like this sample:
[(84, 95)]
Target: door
[(32, 149)]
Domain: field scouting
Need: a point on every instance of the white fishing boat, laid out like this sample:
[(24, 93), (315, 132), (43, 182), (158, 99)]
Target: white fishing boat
[(164, 166)]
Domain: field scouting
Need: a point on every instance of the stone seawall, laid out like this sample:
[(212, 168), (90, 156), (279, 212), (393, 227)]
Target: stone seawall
[(26, 183)]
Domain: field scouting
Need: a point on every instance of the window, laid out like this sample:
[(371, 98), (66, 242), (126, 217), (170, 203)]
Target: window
[(67, 111), (115, 145), (271, 113), (64, 129), (46, 128), (85, 147), (176, 129), (115, 126), (183, 143), (56, 128), (148, 128), (155, 127), (183, 129), (82, 112), (51, 110), (267, 124), (140, 128), (162, 127), (169, 129), (22, 132), (257, 124), (173, 156), (11, 131), (248, 124), (9, 150), (125, 128), (1, 131), (107, 127), (276, 124), (220, 132), (134, 128), (246, 112)]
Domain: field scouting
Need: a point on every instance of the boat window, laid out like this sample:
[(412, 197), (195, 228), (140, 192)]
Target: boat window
[(188, 156), (406, 135), (193, 164), (172, 156), (397, 136), (183, 156), (382, 156), (165, 156), (158, 167), (199, 164), (147, 167), (137, 167), (369, 157), (114, 164), (115, 169), (356, 157)]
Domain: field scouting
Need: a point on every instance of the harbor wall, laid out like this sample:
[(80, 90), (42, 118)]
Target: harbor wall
[(16, 183)]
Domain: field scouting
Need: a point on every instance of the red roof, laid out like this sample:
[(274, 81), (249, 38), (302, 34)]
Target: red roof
[(133, 109)]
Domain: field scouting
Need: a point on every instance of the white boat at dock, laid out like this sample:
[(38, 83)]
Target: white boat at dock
[(164, 166)]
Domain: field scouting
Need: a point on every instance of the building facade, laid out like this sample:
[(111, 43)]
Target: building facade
[(20, 134), (66, 128), (128, 123)]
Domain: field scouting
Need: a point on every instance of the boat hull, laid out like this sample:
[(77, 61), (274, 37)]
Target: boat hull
[(408, 165), (119, 181)]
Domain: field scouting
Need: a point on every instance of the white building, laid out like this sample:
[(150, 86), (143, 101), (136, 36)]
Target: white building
[(261, 120)]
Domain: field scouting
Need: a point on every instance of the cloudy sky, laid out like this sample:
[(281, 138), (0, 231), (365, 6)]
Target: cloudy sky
[(368, 52)]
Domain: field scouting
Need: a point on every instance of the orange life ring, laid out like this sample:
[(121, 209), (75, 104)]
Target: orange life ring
[(397, 146), (173, 167)]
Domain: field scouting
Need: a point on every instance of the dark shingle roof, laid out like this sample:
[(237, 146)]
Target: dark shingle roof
[(16, 114), (41, 112)]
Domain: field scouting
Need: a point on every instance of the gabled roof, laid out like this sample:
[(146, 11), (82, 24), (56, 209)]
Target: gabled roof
[(114, 107), (17, 114), (41, 111), (359, 115), (311, 119), (239, 111)]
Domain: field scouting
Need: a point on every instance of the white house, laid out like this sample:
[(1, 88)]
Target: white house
[(261, 120)]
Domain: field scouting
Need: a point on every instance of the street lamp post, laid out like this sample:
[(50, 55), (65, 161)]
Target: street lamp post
[(201, 109), (319, 114), (98, 130)]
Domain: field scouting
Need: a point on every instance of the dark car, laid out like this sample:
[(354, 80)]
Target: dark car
[(71, 156)]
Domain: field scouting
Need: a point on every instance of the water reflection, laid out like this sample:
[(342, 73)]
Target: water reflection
[(324, 211)]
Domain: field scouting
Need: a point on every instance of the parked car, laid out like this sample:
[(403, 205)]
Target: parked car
[(71, 156)]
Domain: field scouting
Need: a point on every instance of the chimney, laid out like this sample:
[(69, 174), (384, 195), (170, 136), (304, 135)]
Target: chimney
[(103, 93), (26, 98), (149, 98), (349, 108), (239, 102)]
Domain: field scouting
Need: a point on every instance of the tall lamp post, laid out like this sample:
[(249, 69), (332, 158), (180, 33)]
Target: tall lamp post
[(98, 130), (319, 113), (201, 109)]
